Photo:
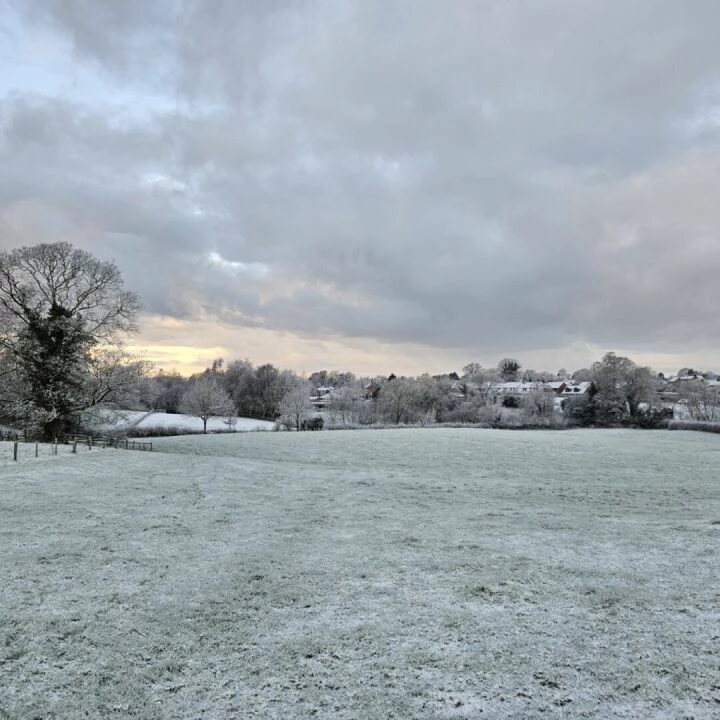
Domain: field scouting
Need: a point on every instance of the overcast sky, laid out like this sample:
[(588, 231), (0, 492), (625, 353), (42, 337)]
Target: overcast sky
[(378, 185)]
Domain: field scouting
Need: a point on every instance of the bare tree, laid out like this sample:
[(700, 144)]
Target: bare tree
[(62, 316), (264, 391), (640, 389), (172, 388), (428, 398), (538, 405), (702, 401), (236, 381), (344, 403), (147, 393), (205, 399), (509, 368), (11, 385), (295, 405), (397, 400), (340, 379), (478, 382), (582, 375)]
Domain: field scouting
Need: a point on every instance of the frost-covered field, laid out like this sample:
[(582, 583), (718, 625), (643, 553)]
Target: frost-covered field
[(126, 419), (195, 424), (385, 574)]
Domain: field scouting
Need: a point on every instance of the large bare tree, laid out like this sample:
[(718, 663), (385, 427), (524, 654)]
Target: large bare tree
[(205, 398), (295, 405), (478, 381), (63, 314), (397, 401), (509, 369), (700, 399)]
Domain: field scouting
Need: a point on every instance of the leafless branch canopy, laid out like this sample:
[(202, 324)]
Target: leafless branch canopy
[(35, 279)]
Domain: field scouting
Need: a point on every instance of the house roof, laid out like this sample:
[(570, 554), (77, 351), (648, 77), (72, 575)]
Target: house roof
[(577, 388), (518, 387)]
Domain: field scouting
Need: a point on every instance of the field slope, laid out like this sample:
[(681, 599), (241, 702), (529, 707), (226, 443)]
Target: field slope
[(384, 574)]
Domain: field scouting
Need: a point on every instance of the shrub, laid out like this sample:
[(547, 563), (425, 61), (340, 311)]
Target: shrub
[(315, 423), (579, 412), (651, 418), (711, 427), (464, 412)]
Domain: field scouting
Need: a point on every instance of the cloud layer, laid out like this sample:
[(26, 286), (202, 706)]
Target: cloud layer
[(462, 178)]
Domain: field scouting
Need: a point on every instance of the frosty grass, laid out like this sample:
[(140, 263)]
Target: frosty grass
[(379, 574)]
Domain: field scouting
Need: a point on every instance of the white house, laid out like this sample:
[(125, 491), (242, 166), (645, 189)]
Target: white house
[(580, 389)]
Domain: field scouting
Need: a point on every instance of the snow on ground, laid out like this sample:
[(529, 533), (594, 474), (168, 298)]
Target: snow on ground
[(26, 453), (387, 574), (195, 424), (125, 419), (107, 420)]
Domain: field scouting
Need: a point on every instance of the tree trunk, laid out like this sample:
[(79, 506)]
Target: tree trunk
[(52, 429), (633, 406)]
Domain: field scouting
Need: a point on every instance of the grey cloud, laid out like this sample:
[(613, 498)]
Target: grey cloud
[(657, 253), (461, 175), (127, 38)]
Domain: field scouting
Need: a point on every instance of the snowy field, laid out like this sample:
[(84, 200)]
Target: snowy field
[(378, 574), (120, 420)]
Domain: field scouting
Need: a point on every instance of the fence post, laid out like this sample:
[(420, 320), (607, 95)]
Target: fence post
[(74, 445), (126, 444), (55, 447), (15, 447), (36, 449), (89, 442)]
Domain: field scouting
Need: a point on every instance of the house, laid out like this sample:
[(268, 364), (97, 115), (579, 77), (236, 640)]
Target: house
[(556, 386), (321, 396), (372, 390), (516, 388), (580, 389), (523, 388)]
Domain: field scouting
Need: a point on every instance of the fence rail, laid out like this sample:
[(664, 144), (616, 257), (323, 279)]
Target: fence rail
[(105, 442), (88, 441)]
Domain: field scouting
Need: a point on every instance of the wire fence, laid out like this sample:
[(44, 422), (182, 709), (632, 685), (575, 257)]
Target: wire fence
[(69, 443)]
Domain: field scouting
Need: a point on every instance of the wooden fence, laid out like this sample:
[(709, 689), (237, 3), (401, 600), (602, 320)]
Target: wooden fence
[(105, 442), (82, 440)]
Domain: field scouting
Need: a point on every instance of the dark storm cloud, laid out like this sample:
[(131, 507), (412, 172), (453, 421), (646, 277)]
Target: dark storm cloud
[(515, 174)]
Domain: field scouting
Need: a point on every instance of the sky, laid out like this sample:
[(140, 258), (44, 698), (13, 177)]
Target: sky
[(378, 185)]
